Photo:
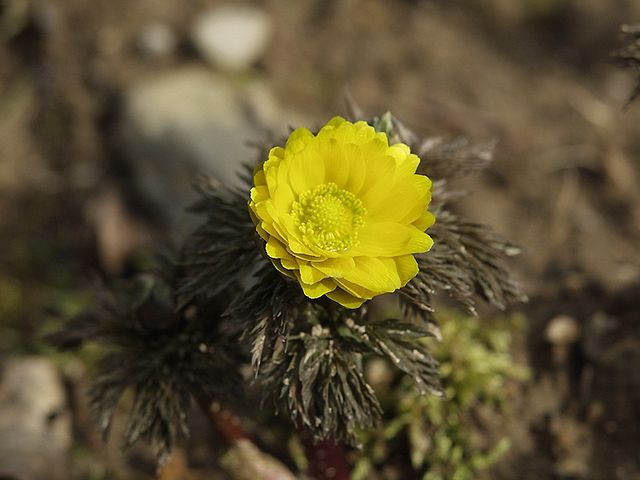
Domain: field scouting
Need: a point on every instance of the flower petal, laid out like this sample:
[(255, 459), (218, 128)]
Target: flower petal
[(424, 221), (259, 193), (310, 274), (289, 264), (259, 179), (355, 290), (283, 198), (298, 139), (306, 170), (407, 267), (380, 172), (389, 239), (410, 198), (336, 162), (345, 299), (276, 249), (391, 217), (376, 274), (276, 263), (316, 290), (335, 267)]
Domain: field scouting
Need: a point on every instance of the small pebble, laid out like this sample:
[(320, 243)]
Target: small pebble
[(562, 330), (232, 37)]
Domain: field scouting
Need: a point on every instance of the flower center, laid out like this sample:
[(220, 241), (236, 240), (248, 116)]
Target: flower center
[(329, 217)]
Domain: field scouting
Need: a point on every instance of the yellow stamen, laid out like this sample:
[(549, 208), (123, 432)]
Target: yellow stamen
[(329, 217)]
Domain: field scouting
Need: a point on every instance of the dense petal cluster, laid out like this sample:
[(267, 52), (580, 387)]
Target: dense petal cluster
[(342, 211)]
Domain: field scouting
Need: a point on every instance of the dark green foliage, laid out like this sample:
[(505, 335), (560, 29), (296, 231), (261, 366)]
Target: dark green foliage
[(442, 160), (453, 159), (307, 356), (266, 314), (320, 384), (399, 342), (162, 357), (629, 56), (467, 261), (300, 359), (224, 247)]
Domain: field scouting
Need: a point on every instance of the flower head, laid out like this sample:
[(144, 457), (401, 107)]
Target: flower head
[(342, 211)]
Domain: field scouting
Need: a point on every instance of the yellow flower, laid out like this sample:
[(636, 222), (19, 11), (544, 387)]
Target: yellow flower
[(342, 212)]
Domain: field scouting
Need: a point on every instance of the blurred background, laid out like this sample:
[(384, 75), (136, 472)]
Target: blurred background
[(109, 108)]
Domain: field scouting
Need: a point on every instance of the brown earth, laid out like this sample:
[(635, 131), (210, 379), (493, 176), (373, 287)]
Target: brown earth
[(535, 75)]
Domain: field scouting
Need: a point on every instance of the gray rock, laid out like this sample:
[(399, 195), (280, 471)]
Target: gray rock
[(156, 40), (35, 425), (232, 37), (180, 124)]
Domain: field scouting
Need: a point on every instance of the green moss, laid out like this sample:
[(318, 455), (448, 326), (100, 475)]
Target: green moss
[(447, 437)]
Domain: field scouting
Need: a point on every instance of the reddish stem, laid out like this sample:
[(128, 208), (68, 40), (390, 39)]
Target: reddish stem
[(225, 422), (327, 458)]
